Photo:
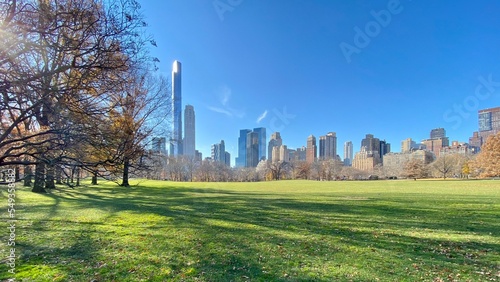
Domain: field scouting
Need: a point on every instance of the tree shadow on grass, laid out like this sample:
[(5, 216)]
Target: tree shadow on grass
[(218, 235)]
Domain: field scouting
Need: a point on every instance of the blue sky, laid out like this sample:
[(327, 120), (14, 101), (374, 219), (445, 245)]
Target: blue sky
[(395, 69)]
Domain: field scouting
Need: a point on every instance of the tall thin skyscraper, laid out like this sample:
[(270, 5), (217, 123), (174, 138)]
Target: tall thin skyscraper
[(241, 159), (189, 132), (348, 153), (312, 149), (176, 140), (261, 131), (252, 151)]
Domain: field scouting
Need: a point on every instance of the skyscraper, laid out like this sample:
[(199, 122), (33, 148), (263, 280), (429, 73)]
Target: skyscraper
[(328, 146), (252, 150), (189, 131), (384, 148), (437, 141), (348, 153), (407, 145), (159, 145), (312, 150), (370, 143), (219, 152), (274, 142), (261, 131), (438, 133), (241, 160), (489, 122), (176, 140)]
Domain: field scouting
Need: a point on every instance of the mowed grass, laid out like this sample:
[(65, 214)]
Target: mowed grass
[(268, 231)]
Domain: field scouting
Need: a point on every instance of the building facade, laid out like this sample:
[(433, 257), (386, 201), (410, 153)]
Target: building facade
[(241, 160), (366, 160), (176, 139), (275, 141), (328, 146), (312, 150), (189, 147), (219, 152), (407, 145), (438, 133), (252, 149), (261, 131), (159, 145), (348, 153), (489, 123)]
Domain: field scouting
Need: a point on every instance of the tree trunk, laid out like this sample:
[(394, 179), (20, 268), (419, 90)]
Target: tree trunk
[(18, 177), (77, 176), (94, 178), (73, 174), (27, 175), (39, 185), (58, 175), (126, 165), (49, 178)]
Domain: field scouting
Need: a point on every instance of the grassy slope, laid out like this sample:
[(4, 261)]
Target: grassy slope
[(272, 231)]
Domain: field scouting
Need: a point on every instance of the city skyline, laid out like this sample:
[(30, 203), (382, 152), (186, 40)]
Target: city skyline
[(275, 65)]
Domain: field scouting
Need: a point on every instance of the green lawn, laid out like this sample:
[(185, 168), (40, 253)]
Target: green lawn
[(268, 231)]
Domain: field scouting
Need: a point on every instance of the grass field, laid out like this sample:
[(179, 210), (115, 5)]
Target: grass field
[(269, 231)]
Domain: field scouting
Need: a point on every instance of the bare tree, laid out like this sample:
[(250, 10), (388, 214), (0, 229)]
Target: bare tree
[(58, 58), (443, 165)]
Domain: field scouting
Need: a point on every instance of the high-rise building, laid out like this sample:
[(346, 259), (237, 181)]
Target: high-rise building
[(476, 141), (438, 133), (301, 153), (435, 145), (219, 152), (373, 145), (284, 155), (227, 158), (384, 148), (159, 145), (312, 150), (241, 160), (261, 131), (252, 150), (407, 145), (489, 122), (370, 143), (328, 146), (437, 141), (275, 141), (280, 154), (348, 153), (198, 156), (176, 140), (189, 147)]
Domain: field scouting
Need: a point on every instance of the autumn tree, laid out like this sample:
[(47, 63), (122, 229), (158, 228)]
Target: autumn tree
[(137, 109), (415, 169), (487, 162), (58, 57)]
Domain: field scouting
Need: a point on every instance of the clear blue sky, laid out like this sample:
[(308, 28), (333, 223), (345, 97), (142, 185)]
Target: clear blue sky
[(417, 65)]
